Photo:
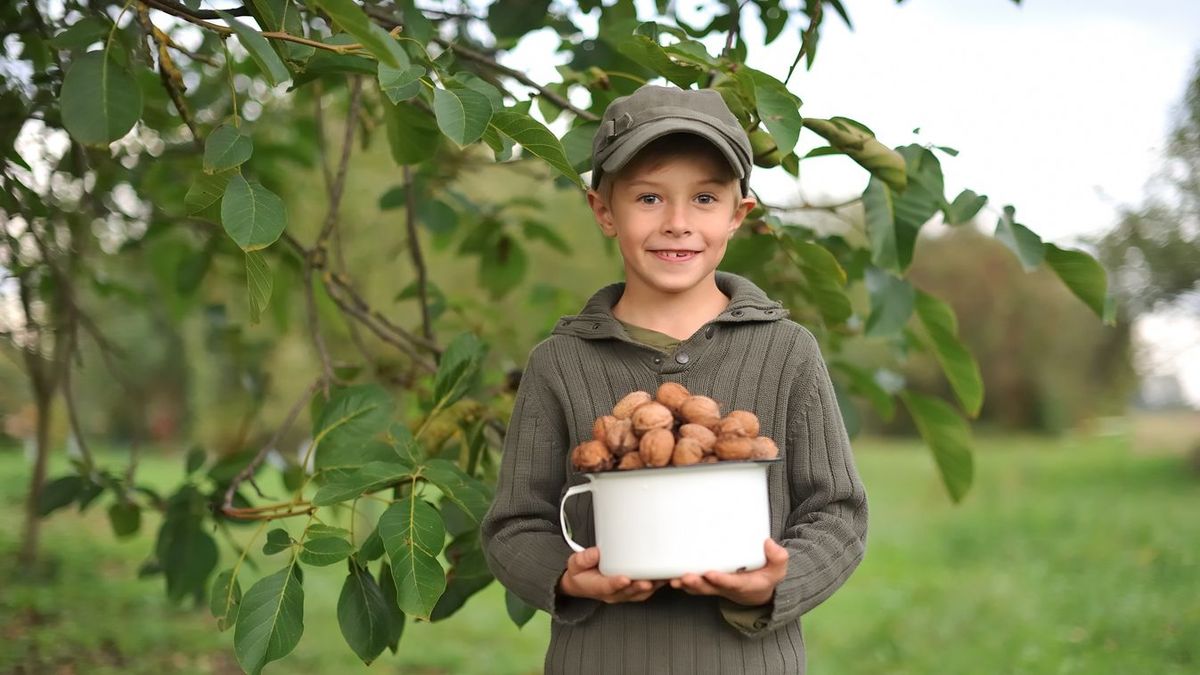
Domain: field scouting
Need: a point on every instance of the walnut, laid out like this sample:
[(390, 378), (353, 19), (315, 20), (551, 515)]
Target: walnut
[(699, 433), (709, 459), (656, 447), (700, 410), (625, 407), (687, 451), (672, 395), (592, 456), (733, 447), (620, 437), (652, 415), (600, 429), (631, 460), (730, 426), (763, 447), (748, 419)]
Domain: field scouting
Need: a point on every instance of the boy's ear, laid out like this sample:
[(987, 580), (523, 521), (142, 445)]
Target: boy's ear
[(739, 214), (602, 213)]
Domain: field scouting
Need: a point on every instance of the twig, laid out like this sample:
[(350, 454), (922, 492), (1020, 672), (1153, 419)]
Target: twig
[(248, 472), (814, 24), (369, 319), (417, 340), (69, 399), (414, 246), (195, 17), (339, 181), (319, 118), (314, 328)]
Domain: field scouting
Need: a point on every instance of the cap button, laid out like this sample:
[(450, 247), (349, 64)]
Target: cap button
[(682, 357)]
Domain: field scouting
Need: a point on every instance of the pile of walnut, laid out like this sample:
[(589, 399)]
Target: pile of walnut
[(672, 428)]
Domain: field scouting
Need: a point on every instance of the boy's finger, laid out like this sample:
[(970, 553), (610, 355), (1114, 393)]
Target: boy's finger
[(776, 554), (583, 560)]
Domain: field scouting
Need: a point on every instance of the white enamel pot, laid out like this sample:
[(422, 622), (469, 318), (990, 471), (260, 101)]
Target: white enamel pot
[(660, 523)]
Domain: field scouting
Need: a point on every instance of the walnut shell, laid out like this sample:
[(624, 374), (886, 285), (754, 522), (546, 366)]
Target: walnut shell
[(731, 426), (699, 433), (591, 456), (709, 459), (600, 429), (652, 415), (672, 395), (687, 451), (631, 460), (625, 407), (763, 447), (700, 410), (620, 437), (656, 447), (733, 447), (748, 419)]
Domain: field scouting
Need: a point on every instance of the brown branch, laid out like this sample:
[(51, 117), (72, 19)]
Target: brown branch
[(814, 24), (248, 472), (195, 17), (417, 340), (319, 118), (172, 79), (414, 246), (548, 94), (314, 329), (370, 319), (339, 181)]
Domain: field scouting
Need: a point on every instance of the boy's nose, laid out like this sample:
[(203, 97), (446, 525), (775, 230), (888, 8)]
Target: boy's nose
[(676, 221)]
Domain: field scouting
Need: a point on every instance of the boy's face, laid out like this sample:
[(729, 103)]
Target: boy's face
[(680, 205)]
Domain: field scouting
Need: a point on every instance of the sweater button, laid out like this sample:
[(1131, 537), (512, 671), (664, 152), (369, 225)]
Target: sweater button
[(658, 359), (708, 332), (736, 312), (682, 357)]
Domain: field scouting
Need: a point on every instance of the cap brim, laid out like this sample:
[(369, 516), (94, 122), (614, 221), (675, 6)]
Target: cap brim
[(640, 137)]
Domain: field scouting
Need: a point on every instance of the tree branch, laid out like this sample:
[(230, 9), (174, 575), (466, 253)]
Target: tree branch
[(246, 473), (414, 246), (339, 181)]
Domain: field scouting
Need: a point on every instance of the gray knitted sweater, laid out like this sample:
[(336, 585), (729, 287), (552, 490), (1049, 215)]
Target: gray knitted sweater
[(750, 357)]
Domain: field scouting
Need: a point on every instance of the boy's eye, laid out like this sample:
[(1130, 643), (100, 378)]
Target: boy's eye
[(707, 199), (647, 199)]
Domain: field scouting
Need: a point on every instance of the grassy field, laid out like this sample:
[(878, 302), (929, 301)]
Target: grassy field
[(1069, 556)]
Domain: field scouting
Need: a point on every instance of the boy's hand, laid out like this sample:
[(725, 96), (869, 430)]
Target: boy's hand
[(756, 587), (584, 580)]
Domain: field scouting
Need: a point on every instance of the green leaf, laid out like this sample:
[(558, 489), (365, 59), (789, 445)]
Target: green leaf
[(225, 599), (648, 53), (352, 19), (270, 620), (825, 280), (413, 135), (1083, 275), (363, 615), (226, 147), (251, 214), (324, 551), (100, 100), (514, 18), (258, 284), (577, 144), (462, 113), (370, 477), (195, 460), (948, 436), (861, 145), (468, 574), (260, 50), (965, 207), (502, 271), (879, 209), (387, 585), (458, 368), (535, 138), (206, 190), (1020, 240), (518, 610), (283, 15), (125, 517), (471, 495), (863, 383), (190, 556), (82, 33), (58, 493), (351, 418), (892, 302), (400, 84), (538, 230), (277, 540), (956, 360), (413, 536), (778, 108)]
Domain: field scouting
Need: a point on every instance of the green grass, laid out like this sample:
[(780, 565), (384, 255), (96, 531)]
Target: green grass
[(1068, 556)]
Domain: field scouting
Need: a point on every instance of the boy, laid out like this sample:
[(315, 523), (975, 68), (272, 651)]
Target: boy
[(670, 182)]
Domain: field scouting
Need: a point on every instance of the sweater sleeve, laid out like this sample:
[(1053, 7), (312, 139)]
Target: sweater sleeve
[(521, 536), (825, 533)]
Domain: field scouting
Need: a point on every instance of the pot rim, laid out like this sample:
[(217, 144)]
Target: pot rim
[(665, 470)]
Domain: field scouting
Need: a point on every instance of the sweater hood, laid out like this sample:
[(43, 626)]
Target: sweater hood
[(747, 302)]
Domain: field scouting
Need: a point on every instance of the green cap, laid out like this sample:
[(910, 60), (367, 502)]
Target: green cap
[(652, 111)]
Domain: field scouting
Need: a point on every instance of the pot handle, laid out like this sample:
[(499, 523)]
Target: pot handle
[(562, 513)]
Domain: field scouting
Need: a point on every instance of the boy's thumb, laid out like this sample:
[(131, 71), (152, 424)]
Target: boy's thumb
[(776, 554)]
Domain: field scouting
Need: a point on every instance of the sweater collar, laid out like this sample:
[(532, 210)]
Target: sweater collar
[(747, 302)]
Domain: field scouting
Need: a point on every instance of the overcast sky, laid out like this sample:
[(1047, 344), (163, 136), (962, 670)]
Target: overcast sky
[(1059, 107)]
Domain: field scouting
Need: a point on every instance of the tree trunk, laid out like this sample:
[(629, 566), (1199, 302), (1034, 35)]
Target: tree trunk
[(33, 522)]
